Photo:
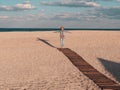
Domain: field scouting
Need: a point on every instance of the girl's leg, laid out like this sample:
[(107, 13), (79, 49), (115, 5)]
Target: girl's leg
[(62, 42)]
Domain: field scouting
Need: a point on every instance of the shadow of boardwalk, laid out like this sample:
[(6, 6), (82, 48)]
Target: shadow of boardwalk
[(112, 67), (45, 41)]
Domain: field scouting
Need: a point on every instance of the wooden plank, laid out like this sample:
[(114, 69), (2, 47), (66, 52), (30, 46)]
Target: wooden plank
[(101, 80), (113, 87)]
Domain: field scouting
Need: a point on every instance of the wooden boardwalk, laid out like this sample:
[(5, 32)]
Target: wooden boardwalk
[(101, 80)]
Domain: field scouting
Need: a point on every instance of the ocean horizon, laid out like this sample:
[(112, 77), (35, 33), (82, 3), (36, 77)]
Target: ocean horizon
[(55, 29)]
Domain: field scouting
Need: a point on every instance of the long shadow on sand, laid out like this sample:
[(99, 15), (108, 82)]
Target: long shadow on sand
[(45, 41), (112, 67)]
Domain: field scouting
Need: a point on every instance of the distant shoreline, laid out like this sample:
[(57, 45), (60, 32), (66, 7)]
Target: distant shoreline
[(53, 29)]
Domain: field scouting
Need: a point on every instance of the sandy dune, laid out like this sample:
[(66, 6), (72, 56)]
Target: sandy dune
[(27, 63)]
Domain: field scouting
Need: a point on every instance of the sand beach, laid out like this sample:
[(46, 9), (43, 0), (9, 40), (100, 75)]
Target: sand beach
[(28, 63)]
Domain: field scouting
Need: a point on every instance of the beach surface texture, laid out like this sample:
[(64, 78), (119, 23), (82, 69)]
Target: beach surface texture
[(30, 60)]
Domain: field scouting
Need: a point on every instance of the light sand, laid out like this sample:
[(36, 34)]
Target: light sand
[(28, 63)]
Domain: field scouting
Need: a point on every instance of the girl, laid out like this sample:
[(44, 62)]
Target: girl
[(62, 36)]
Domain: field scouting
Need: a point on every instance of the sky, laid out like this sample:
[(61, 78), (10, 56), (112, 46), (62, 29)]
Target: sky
[(56, 13)]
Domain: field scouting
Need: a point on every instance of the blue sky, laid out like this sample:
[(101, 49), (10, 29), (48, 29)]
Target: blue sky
[(54, 13)]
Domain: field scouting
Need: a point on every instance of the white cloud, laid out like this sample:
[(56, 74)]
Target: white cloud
[(72, 3), (92, 4), (4, 17), (17, 7), (5, 8), (26, 6)]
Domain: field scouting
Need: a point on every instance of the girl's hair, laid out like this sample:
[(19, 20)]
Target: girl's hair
[(61, 27)]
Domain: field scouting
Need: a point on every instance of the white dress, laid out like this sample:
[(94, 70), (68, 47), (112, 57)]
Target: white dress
[(61, 38)]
